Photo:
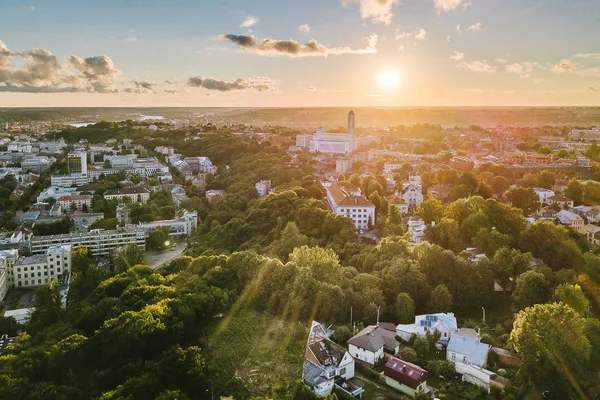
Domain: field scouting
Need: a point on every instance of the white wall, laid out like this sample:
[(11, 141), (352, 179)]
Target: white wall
[(365, 355)]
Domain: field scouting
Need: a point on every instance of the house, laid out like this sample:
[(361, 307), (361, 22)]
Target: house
[(346, 200), (592, 214), (465, 347), (570, 220), (544, 194), (263, 188), (416, 230), (561, 201), (137, 194), (395, 200), (405, 377), (592, 233), (412, 195), (327, 364), (368, 345), (75, 202), (445, 323)]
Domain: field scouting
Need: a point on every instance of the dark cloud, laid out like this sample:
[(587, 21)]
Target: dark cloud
[(291, 48), (141, 86), (593, 89), (260, 84)]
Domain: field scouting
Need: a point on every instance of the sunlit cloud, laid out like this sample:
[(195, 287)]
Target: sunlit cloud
[(259, 84), (457, 55), (475, 27), (372, 40), (177, 91), (564, 66), (375, 10), (523, 69), (458, 28), (501, 60), (477, 66), (248, 22), (32, 8), (450, 5), (304, 28), (131, 40), (141, 86), (421, 34), (291, 48), (538, 81), (448, 38)]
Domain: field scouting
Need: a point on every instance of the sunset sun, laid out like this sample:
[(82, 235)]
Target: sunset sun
[(389, 78)]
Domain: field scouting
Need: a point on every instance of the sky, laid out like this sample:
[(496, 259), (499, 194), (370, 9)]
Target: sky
[(287, 53)]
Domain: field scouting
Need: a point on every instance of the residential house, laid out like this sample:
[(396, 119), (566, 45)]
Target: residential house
[(412, 195), (561, 201), (397, 201), (405, 377), (263, 188), (544, 194), (327, 364), (444, 323), (592, 233), (346, 200), (137, 194), (213, 196), (590, 213), (570, 220), (465, 347), (75, 202), (369, 344), (416, 229)]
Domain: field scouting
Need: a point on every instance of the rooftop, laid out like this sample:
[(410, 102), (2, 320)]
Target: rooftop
[(342, 197), (410, 374), (373, 338), (127, 190)]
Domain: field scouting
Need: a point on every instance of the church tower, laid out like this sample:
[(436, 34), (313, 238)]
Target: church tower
[(351, 126)]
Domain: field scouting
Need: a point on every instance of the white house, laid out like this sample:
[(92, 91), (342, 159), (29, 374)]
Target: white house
[(544, 194), (465, 347), (416, 229), (263, 188), (445, 323), (369, 344), (39, 270), (405, 377), (412, 195), (590, 212), (395, 200), (571, 220), (327, 364), (347, 200)]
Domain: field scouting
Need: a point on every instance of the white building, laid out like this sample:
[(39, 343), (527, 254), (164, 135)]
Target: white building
[(41, 269), (263, 188), (67, 181), (369, 344), (389, 167), (183, 226), (21, 315), (396, 201), (412, 193), (332, 143), (55, 192), (80, 218), (20, 147), (544, 194), (347, 200), (465, 346), (571, 220), (99, 242), (137, 194), (416, 229), (445, 323), (37, 165), (343, 165), (585, 134), (75, 202)]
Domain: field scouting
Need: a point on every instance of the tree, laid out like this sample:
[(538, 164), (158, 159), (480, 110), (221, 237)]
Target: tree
[(573, 296), (575, 191), (405, 309), (421, 346), (507, 264), (291, 237), (130, 256), (440, 300), (158, 238), (408, 354), (8, 326), (491, 240), (430, 210), (552, 344), (393, 223), (342, 334), (552, 244), (499, 184), (523, 198), (531, 288)]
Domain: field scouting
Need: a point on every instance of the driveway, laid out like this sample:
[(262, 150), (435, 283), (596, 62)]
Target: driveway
[(157, 259)]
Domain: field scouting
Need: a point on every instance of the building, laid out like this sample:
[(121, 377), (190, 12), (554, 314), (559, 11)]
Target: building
[(405, 377), (123, 214), (590, 213), (77, 163), (99, 242), (200, 164), (465, 347), (75, 202), (183, 226), (524, 158), (347, 200), (41, 269), (445, 323), (67, 181), (461, 164), (21, 315), (263, 188), (412, 193), (416, 230), (343, 165), (83, 219), (369, 344), (544, 194), (332, 143), (570, 220), (587, 135), (561, 201), (395, 200), (137, 194), (328, 365), (55, 192), (439, 192), (37, 165), (213, 196), (3, 280)]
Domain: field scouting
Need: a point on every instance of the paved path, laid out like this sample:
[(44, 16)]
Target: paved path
[(157, 259)]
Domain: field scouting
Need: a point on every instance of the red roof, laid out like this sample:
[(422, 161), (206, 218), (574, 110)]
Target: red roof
[(75, 198), (342, 198), (404, 372)]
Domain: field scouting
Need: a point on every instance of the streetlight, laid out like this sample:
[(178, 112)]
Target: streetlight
[(483, 308)]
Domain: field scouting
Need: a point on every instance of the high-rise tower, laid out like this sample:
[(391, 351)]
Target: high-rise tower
[(351, 126), (77, 163)]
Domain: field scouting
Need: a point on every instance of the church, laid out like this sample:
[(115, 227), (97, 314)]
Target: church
[(330, 143)]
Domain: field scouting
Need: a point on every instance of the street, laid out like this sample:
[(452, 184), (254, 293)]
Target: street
[(158, 258)]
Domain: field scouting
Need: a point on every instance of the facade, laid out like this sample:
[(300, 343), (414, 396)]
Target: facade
[(332, 143), (183, 226), (137, 194), (263, 188), (445, 323), (55, 192), (41, 269), (77, 163), (67, 202), (544, 194), (3, 281), (80, 218), (591, 213), (67, 181), (99, 242), (570, 220), (347, 200), (369, 344), (123, 214), (416, 229), (561, 201), (412, 195), (405, 377), (343, 165), (328, 365), (395, 200), (37, 165)]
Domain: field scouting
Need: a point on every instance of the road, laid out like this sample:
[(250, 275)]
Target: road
[(157, 259)]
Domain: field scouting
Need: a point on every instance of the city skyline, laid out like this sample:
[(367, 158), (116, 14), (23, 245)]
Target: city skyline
[(311, 53)]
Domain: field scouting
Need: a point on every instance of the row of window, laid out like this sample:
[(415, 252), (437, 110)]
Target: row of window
[(39, 267), (39, 282), (353, 210)]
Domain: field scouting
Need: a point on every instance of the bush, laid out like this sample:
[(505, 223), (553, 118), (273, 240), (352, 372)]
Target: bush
[(442, 368), (341, 334), (408, 354)]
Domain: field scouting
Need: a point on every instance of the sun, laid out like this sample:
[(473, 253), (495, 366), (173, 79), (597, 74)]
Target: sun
[(389, 78)]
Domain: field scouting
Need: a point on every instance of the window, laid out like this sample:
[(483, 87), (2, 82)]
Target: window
[(19, 276), (453, 356), (445, 334), (343, 371), (39, 281), (464, 359)]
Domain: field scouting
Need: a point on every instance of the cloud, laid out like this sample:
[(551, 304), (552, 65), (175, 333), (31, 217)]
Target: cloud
[(477, 66), (538, 81), (94, 74), (401, 48), (248, 22), (564, 66), (131, 40), (458, 28), (376, 10), (475, 27), (314, 89), (290, 48), (260, 84), (141, 86), (501, 60), (372, 40), (592, 89), (523, 69), (32, 8), (448, 38), (457, 55), (176, 91), (450, 5), (304, 28), (421, 34)]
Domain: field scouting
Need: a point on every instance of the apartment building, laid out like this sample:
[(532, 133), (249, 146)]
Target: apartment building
[(183, 226), (137, 194), (99, 242), (347, 200), (41, 269), (75, 202)]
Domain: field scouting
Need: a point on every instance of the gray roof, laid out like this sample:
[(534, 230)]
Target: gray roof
[(373, 338), (475, 351), (431, 320)]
